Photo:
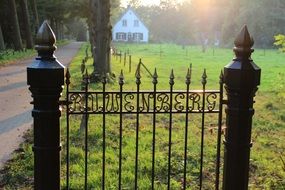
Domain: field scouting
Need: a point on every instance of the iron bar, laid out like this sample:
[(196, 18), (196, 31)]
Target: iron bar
[(171, 83), (121, 83), (154, 128), (204, 81), (104, 132), (138, 82), (146, 91), (86, 78), (188, 81)]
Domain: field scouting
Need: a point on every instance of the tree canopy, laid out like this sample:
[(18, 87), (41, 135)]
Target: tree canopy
[(195, 20), (183, 22)]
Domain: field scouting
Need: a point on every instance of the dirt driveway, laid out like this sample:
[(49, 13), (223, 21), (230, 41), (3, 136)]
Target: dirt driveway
[(15, 98)]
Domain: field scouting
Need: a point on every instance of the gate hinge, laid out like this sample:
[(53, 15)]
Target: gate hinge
[(224, 101)]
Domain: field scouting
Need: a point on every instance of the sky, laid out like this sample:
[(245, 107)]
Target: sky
[(144, 2)]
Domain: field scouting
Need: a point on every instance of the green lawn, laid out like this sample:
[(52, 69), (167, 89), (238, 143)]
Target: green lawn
[(267, 170)]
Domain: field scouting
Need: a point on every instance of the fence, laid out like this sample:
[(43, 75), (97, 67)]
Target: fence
[(241, 78)]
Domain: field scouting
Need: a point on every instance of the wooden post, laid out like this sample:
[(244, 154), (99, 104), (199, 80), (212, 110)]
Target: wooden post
[(241, 78), (125, 58), (120, 56), (130, 63), (46, 78)]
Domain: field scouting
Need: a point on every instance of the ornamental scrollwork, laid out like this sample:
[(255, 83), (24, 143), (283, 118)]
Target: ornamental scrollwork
[(126, 102)]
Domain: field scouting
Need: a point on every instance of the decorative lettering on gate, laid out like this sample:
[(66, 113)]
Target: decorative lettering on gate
[(199, 101)]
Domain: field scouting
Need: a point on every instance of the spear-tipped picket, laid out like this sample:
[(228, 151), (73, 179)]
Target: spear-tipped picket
[(204, 78), (154, 77), (67, 77), (171, 77), (121, 78), (188, 77)]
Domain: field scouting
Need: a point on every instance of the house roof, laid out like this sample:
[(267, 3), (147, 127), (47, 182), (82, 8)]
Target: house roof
[(129, 8)]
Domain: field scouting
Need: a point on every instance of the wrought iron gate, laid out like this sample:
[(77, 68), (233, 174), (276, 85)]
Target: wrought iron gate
[(146, 102), (241, 79)]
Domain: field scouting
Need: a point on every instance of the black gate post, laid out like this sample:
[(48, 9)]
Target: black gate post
[(46, 77), (241, 78)]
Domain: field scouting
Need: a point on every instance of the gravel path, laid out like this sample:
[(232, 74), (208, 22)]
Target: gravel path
[(15, 98)]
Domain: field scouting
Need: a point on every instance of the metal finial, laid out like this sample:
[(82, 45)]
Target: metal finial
[(244, 39), (188, 76), (171, 77), (45, 40), (121, 78), (204, 77), (67, 77), (154, 77)]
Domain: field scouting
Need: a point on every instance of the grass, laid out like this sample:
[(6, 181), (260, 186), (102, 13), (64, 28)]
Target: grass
[(267, 170), (10, 56)]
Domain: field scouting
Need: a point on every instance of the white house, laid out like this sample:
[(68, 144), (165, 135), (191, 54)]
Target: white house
[(130, 28)]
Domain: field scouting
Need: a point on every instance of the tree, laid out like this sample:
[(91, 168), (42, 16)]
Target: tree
[(100, 23), (27, 25), (280, 42), (35, 14), (17, 40), (2, 44)]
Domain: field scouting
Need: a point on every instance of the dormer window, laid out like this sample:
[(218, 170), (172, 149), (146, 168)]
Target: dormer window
[(125, 22), (136, 23)]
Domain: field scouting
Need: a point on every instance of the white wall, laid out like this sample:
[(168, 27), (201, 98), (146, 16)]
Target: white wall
[(130, 16)]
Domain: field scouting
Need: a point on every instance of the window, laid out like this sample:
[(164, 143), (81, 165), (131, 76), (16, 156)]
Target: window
[(125, 22), (138, 36), (121, 36), (136, 23)]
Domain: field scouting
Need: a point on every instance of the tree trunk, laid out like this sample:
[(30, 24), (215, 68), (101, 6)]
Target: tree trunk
[(17, 40), (102, 38), (92, 25), (2, 44), (26, 19), (35, 13)]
